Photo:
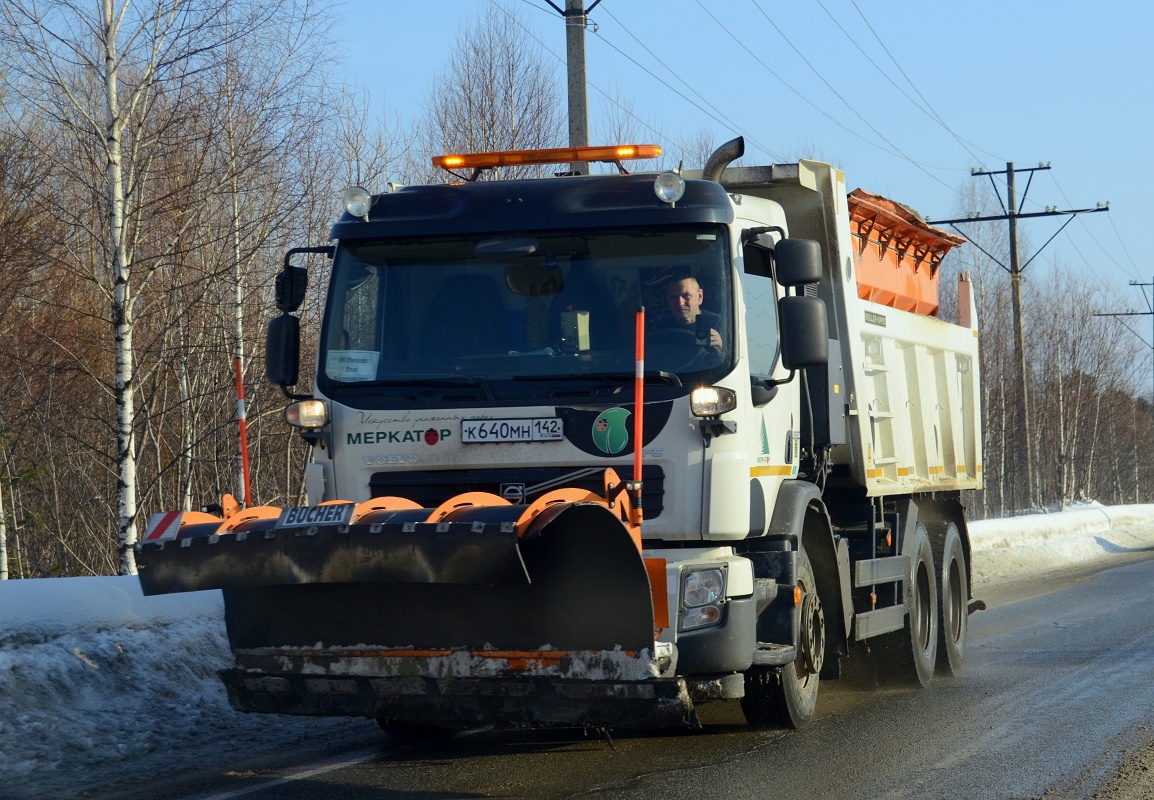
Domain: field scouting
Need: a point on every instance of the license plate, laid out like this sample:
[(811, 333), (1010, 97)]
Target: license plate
[(536, 429), (307, 516)]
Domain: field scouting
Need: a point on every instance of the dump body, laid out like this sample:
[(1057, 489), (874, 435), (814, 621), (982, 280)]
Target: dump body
[(902, 391), (477, 385)]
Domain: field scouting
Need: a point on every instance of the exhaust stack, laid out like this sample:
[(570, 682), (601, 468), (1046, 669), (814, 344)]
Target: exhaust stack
[(722, 157)]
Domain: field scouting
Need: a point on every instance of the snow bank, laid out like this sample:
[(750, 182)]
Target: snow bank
[(95, 678), (1020, 548), (40, 610), (90, 670)]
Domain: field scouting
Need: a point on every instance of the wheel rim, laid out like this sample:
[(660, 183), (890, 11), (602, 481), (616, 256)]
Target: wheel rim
[(922, 609), (813, 636), (955, 601)]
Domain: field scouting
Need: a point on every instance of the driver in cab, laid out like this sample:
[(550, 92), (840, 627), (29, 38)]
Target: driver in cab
[(684, 296)]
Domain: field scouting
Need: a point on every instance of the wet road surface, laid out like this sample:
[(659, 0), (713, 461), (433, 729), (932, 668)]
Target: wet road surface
[(1057, 693)]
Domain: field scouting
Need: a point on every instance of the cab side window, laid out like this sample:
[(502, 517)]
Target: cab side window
[(760, 311)]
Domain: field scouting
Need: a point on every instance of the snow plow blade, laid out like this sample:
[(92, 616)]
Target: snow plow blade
[(398, 551), (486, 616)]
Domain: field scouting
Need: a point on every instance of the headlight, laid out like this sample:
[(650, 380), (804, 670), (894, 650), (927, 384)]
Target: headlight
[(357, 201), (711, 401), (307, 414), (701, 594), (669, 187), (703, 586)]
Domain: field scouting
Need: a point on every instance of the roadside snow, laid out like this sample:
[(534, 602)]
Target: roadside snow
[(95, 677), (1021, 548)]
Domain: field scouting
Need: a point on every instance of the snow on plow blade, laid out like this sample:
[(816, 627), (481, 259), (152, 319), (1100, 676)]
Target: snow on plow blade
[(474, 619), (655, 703)]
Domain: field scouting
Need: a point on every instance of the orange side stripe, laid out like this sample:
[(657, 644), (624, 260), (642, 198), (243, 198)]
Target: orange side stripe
[(773, 469)]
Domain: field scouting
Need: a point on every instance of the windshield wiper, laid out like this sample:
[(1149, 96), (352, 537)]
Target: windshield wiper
[(651, 376)]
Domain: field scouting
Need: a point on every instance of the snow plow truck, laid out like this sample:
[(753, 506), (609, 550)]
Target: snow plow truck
[(597, 449)]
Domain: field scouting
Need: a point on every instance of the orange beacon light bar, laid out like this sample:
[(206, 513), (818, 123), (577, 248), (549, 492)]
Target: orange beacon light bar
[(557, 155)]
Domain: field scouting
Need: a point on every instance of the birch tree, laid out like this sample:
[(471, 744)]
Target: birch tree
[(497, 92), (117, 77)]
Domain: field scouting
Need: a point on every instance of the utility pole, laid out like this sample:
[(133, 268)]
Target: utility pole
[(575, 15), (1012, 211), (1150, 313)]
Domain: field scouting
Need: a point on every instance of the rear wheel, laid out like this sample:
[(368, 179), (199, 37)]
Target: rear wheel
[(786, 696), (908, 656), (953, 596)]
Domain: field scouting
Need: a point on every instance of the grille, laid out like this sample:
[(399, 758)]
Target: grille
[(430, 488)]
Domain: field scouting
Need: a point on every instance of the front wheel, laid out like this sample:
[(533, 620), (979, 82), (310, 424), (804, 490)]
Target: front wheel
[(786, 696)]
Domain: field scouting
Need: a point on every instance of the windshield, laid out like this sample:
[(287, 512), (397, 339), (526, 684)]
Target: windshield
[(533, 309)]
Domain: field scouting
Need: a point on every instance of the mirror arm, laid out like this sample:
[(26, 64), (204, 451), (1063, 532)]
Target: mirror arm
[(750, 234), (293, 395)]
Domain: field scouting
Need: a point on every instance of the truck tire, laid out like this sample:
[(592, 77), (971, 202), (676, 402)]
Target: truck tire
[(786, 696), (909, 656), (953, 597)]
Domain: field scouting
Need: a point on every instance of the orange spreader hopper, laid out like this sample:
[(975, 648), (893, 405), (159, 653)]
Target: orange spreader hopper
[(896, 254)]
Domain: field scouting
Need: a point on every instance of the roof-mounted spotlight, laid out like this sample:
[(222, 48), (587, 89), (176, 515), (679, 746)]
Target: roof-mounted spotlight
[(669, 187), (357, 202)]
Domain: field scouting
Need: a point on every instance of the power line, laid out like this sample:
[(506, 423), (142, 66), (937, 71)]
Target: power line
[(791, 88), (894, 148), (657, 134), (926, 109), (533, 5), (1133, 270), (909, 80), (733, 126), (722, 120)]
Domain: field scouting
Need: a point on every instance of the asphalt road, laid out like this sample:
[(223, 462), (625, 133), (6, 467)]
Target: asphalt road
[(1058, 692)]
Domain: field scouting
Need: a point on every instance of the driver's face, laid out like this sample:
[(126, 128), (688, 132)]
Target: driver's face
[(684, 300)]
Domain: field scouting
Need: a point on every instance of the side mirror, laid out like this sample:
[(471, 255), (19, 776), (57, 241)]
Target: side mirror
[(291, 283), (804, 336), (282, 350), (798, 262)]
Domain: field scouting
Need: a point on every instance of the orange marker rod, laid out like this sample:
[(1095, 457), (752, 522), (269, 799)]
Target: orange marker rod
[(638, 413)]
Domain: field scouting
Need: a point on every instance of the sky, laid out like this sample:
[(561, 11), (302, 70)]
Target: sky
[(103, 690), (907, 97)]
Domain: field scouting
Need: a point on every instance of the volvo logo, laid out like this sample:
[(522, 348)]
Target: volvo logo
[(513, 492)]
